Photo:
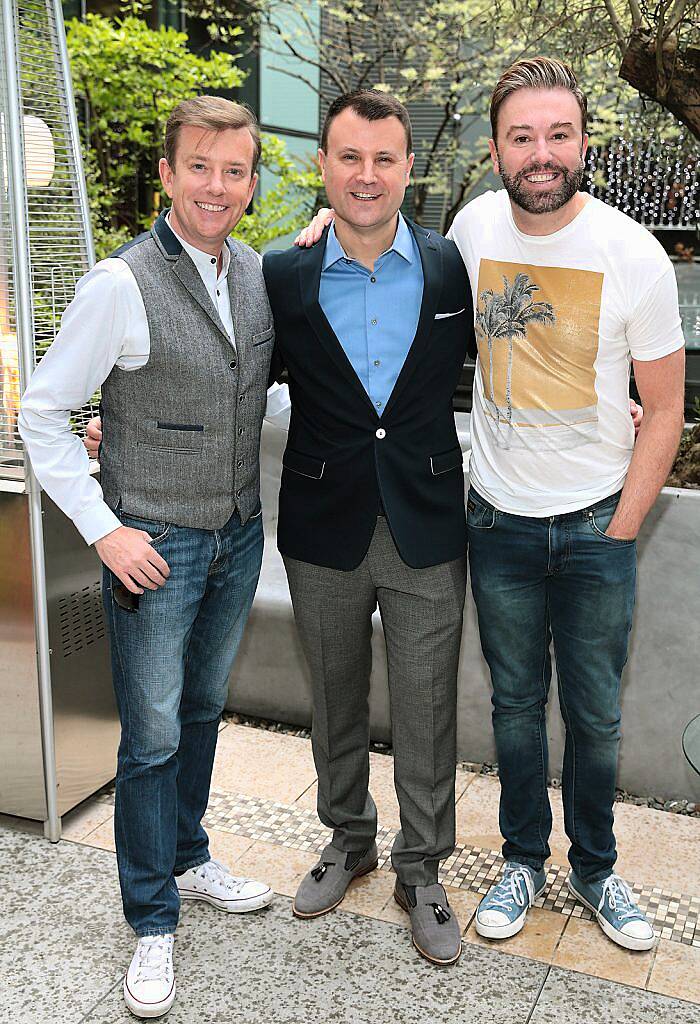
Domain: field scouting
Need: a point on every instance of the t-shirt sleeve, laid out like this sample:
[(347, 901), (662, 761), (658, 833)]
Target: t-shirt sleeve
[(654, 329)]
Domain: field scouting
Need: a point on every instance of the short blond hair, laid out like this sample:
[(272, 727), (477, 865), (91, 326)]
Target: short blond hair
[(213, 114), (536, 73)]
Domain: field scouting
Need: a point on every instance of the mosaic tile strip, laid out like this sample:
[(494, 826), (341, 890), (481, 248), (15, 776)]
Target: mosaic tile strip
[(675, 916)]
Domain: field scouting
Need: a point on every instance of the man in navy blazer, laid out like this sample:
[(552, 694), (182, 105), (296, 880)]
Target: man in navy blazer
[(373, 326)]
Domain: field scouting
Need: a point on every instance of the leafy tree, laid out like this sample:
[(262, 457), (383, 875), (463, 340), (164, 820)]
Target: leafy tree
[(128, 78), (655, 48), (443, 58)]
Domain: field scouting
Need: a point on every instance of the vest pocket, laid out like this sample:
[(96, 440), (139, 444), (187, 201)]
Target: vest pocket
[(168, 436), (263, 336), (446, 461), (304, 465)]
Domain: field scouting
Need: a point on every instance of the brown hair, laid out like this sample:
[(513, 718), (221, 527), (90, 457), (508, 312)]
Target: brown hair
[(536, 73), (212, 113), (372, 105)]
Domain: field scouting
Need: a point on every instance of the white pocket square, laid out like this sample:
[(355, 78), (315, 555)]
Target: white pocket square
[(443, 316)]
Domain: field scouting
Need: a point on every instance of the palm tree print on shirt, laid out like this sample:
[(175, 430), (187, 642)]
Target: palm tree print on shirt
[(506, 316)]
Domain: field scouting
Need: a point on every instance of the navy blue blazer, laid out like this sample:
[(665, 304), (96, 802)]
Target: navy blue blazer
[(344, 461)]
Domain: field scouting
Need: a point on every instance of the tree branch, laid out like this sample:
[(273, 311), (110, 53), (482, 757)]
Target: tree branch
[(294, 74), (635, 11), (675, 18), (620, 35)]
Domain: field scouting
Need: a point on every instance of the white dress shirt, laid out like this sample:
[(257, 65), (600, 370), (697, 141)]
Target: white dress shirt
[(104, 327)]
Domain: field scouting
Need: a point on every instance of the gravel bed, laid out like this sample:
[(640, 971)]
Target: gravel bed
[(686, 807)]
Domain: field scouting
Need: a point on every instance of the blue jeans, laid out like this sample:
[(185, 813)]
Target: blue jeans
[(537, 580), (170, 662)]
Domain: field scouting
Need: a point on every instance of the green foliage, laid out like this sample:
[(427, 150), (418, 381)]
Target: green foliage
[(288, 201), (447, 55), (127, 79)]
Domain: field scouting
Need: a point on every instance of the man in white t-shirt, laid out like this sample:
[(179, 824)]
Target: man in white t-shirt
[(567, 292)]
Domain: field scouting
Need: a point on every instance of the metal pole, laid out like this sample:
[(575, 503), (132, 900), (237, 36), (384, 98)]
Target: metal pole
[(55, 6), (25, 341)]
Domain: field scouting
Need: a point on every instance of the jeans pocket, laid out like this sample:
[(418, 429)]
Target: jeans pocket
[(479, 515), (599, 520), (157, 531)]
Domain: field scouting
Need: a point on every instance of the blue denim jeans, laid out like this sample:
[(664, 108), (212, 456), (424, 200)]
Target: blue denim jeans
[(170, 662), (536, 581)]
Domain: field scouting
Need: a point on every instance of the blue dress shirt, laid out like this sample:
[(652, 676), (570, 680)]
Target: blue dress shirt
[(374, 313)]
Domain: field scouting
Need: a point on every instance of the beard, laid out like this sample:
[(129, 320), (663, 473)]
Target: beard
[(543, 202)]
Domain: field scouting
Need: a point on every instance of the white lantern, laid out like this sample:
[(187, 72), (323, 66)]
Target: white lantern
[(39, 156)]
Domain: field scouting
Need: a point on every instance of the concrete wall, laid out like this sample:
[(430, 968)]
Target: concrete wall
[(660, 686)]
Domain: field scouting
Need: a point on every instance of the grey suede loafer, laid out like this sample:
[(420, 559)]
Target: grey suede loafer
[(436, 932), (324, 887)]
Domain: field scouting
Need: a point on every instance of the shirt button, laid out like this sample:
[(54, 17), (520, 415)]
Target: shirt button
[(373, 280), (213, 259), (377, 362), (218, 292), (381, 433), (373, 322), (378, 405), (232, 364)]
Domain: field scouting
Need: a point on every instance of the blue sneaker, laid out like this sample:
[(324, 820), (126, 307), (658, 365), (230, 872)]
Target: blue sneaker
[(616, 912), (503, 909)]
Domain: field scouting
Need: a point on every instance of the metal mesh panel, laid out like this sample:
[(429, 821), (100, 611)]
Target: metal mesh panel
[(10, 448), (58, 246)]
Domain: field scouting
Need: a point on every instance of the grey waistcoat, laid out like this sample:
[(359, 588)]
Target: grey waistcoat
[(181, 435)]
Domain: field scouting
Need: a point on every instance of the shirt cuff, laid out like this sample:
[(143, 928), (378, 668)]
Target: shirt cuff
[(96, 522)]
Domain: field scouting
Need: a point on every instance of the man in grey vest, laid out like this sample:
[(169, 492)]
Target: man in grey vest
[(177, 330)]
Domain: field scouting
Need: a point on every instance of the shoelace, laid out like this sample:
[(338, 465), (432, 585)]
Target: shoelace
[(619, 897), (213, 871), (510, 890), (154, 957)]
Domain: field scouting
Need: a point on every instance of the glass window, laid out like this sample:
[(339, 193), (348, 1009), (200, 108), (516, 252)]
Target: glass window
[(286, 101), (688, 278)]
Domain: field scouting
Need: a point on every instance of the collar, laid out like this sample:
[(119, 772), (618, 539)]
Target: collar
[(402, 245), (202, 260)]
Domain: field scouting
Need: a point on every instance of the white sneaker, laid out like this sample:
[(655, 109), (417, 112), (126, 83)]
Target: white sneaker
[(214, 884), (149, 985)]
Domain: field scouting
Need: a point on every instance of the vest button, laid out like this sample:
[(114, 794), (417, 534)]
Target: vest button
[(240, 431), (239, 463), (232, 364), (380, 433)]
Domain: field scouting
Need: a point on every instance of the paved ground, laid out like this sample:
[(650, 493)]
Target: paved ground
[(64, 945)]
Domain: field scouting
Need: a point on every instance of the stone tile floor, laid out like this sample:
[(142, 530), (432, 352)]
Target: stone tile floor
[(64, 945)]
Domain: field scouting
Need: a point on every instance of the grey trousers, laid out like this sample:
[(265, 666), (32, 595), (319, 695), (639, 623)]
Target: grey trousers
[(421, 612)]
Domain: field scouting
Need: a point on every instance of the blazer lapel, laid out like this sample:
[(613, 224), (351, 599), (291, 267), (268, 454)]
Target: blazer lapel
[(310, 266), (431, 260)]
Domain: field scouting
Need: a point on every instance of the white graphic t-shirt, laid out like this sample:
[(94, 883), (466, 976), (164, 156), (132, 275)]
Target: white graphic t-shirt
[(558, 318)]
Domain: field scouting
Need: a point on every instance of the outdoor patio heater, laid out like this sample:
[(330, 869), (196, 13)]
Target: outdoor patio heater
[(58, 722)]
